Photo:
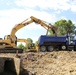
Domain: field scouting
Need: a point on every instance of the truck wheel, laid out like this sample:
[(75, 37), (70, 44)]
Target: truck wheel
[(43, 48), (74, 48), (63, 47), (50, 48)]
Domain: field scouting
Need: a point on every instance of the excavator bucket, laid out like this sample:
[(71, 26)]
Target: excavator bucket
[(54, 29)]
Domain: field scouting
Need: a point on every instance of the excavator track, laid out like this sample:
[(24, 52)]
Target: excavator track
[(11, 50)]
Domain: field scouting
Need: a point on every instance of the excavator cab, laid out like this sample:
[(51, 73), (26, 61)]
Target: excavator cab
[(33, 46), (6, 37)]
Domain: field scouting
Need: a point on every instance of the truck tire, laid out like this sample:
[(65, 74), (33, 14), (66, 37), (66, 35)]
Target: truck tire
[(63, 47), (43, 48), (74, 48), (50, 48)]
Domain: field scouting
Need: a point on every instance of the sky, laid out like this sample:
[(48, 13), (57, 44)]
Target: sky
[(13, 12)]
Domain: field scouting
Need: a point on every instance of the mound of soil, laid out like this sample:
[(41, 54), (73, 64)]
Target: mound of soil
[(47, 63), (50, 63)]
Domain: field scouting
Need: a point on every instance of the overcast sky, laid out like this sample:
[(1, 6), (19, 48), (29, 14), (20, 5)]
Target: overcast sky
[(15, 11)]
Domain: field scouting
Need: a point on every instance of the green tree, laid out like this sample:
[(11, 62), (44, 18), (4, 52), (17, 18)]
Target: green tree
[(31, 44), (36, 43), (64, 27), (22, 46), (30, 40)]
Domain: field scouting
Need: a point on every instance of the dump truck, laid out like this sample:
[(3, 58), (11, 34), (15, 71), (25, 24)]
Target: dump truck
[(51, 43)]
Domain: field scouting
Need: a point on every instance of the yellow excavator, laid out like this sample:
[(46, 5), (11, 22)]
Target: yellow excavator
[(23, 40), (31, 47), (8, 44)]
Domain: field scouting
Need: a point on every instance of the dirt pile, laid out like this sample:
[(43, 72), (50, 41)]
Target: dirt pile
[(50, 63)]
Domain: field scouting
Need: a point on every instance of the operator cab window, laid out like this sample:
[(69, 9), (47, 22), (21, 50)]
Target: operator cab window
[(72, 38)]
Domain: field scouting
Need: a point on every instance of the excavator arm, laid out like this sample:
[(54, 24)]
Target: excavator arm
[(23, 40), (26, 22), (46, 25), (17, 27)]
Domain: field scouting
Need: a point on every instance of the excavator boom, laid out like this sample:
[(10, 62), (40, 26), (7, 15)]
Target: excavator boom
[(23, 40), (33, 19)]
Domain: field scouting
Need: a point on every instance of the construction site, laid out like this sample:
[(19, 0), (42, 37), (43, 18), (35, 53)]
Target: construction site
[(54, 55), (41, 63)]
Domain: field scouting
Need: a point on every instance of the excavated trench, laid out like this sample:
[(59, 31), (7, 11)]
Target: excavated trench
[(12, 66), (9, 66)]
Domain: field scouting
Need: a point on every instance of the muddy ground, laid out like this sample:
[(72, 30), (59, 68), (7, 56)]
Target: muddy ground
[(49, 63)]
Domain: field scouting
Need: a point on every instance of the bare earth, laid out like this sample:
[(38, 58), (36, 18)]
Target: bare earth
[(50, 63)]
